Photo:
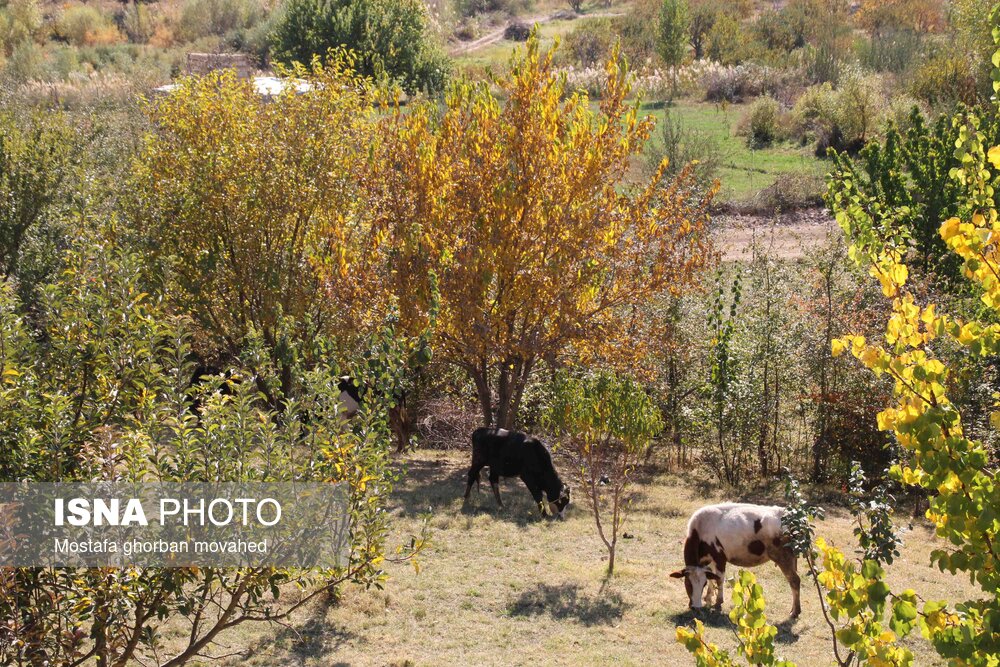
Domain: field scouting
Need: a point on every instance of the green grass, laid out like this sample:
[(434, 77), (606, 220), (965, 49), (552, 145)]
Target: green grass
[(744, 172), (498, 53), (508, 588)]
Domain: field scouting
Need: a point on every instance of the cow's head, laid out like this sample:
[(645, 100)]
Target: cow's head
[(561, 503), (695, 579)]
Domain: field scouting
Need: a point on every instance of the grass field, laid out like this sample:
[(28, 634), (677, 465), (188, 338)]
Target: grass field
[(498, 53), (743, 171), (507, 588)]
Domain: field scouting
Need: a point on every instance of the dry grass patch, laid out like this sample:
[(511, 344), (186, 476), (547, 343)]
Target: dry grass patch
[(508, 588)]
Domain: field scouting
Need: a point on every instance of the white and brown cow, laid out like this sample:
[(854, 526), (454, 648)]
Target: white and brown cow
[(738, 533)]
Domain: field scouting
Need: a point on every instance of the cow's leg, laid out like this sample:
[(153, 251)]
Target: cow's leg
[(474, 470), (720, 584), (785, 559), (495, 467)]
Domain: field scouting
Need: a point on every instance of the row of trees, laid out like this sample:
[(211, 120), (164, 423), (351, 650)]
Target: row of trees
[(511, 207), (192, 323)]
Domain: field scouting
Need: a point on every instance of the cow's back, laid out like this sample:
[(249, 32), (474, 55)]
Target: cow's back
[(498, 444), (746, 532)]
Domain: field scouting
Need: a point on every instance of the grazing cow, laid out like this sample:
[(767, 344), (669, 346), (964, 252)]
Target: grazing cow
[(738, 533), (515, 454)]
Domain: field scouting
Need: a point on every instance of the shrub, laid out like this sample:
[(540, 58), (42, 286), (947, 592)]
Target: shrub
[(590, 42), (138, 22), (36, 164), (20, 21), (85, 25), (608, 421), (104, 389), (843, 118), (726, 41), (735, 84), (945, 80), (762, 124), (389, 38), (467, 29), (790, 192), (200, 18), (27, 63), (517, 31), (638, 31), (814, 110), (894, 51), (908, 173), (821, 64), (683, 146), (860, 107), (469, 8)]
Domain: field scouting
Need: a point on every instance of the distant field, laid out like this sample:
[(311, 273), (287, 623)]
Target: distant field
[(498, 52), (744, 172), (505, 588)]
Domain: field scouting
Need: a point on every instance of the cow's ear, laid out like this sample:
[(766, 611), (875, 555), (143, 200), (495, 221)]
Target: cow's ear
[(679, 574), (712, 575)]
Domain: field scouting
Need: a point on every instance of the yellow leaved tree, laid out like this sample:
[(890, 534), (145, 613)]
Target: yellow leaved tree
[(519, 199), (241, 199), (867, 620)]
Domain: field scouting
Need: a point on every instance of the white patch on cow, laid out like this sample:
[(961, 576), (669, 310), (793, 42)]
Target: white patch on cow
[(746, 535), (348, 406), (732, 524)]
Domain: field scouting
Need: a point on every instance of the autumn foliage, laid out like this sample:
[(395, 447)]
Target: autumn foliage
[(519, 199)]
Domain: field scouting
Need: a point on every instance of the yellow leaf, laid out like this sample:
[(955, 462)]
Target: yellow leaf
[(994, 156)]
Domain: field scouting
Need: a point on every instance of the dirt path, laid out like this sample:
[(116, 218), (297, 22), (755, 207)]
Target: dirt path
[(788, 236), (496, 35)]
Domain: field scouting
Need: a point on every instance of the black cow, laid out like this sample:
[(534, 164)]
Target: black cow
[(516, 454)]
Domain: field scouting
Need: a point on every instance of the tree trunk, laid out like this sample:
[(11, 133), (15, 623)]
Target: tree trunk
[(483, 392)]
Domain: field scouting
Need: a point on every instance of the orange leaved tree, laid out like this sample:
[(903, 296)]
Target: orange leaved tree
[(518, 199)]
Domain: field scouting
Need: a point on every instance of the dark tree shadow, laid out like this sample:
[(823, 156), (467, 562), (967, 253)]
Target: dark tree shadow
[(309, 640), (786, 632), (429, 485), (567, 602), (708, 616)]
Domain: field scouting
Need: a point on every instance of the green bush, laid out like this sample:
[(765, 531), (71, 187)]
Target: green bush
[(27, 63), (894, 51), (470, 8), (36, 165), (389, 38), (683, 146), (201, 18), (906, 180), (860, 107), (821, 64), (20, 21), (638, 31), (843, 118), (762, 124), (590, 42), (83, 25), (945, 80), (104, 388), (138, 22), (727, 41)]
